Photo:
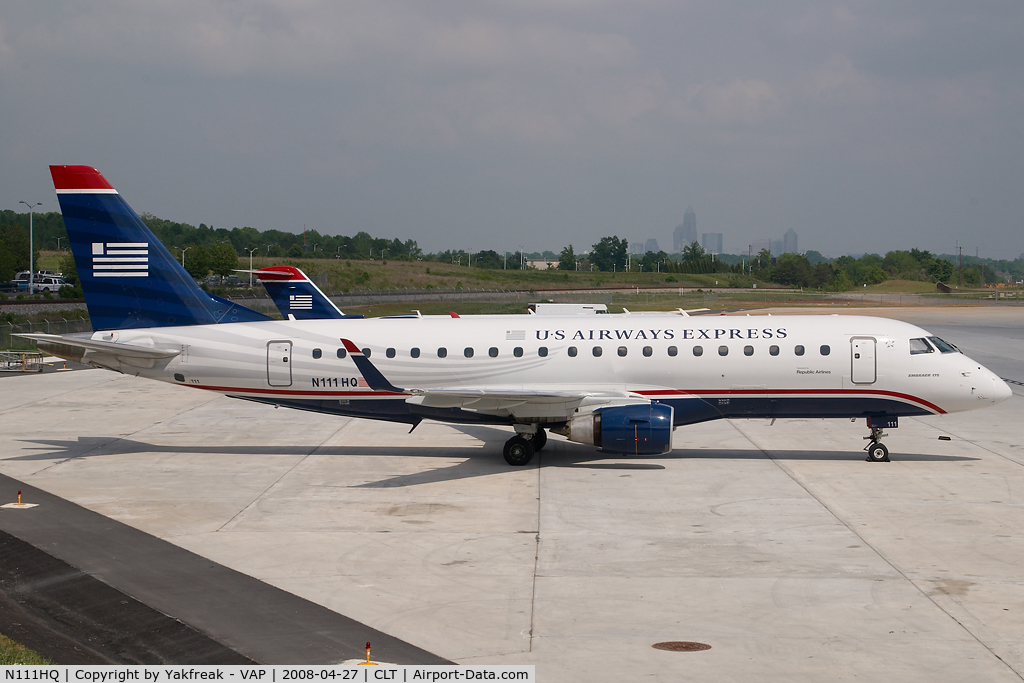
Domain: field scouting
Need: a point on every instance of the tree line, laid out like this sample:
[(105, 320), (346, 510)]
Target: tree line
[(207, 249)]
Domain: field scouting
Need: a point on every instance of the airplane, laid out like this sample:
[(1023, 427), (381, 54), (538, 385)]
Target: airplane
[(621, 383), (295, 295)]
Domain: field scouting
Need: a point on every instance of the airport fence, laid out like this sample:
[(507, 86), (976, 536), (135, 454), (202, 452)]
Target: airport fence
[(8, 340)]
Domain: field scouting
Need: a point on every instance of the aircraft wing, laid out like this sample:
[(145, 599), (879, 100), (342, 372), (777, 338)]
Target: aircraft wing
[(553, 405), (541, 404)]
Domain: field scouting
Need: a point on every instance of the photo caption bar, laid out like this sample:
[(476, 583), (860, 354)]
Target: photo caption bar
[(361, 672)]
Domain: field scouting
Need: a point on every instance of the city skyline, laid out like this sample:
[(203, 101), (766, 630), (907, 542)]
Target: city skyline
[(864, 127)]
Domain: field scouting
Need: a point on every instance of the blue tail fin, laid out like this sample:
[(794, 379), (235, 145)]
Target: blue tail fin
[(296, 296), (129, 278)]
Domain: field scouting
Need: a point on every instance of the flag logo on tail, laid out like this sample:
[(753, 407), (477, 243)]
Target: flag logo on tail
[(120, 259), (300, 302)]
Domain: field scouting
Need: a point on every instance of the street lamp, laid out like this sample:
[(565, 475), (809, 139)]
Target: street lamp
[(256, 248), (31, 255), (183, 256)]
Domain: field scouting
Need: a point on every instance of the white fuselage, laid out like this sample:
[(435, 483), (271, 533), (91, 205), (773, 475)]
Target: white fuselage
[(749, 365)]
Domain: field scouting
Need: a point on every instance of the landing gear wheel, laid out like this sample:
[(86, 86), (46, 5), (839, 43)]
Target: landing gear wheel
[(539, 439), (518, 451), (877, 452)]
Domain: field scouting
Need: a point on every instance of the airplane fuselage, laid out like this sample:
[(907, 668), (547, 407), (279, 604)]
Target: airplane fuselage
[(706, 367)]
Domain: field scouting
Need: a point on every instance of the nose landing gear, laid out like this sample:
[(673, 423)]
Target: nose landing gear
[(877, 452)]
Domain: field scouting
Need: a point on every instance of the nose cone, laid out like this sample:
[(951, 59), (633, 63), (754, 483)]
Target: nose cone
[(1000, 390)]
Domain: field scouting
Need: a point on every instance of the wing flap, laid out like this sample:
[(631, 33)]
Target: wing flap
[(521, 404)]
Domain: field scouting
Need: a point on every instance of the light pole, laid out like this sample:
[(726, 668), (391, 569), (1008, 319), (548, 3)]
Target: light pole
[(250, 263), (31, 254), (58, 242), (183, 256)]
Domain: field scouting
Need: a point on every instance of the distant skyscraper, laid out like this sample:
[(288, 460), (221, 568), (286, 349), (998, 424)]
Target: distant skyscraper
[(685, 234), (651, 245), (789, 242), (712, 242), (757, 245)]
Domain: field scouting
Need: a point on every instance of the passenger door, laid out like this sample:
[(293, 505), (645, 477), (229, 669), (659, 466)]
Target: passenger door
[(279, 363), (862, 355)]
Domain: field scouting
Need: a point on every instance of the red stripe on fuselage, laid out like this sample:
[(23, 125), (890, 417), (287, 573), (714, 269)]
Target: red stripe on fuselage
[(791, 392), (664, 392), (295, 392)]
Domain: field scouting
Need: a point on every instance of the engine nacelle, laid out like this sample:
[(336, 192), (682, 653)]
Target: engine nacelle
[(644, 429)]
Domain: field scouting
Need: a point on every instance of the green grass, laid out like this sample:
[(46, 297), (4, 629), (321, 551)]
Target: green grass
[(16, 653)]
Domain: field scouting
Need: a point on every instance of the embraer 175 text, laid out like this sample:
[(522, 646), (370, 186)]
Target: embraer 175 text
[(619, 382)]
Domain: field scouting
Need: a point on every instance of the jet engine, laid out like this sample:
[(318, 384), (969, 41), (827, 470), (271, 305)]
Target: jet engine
[(640, 429)]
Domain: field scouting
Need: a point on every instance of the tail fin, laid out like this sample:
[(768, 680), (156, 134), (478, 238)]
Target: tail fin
[(129, 278), (296, 296)]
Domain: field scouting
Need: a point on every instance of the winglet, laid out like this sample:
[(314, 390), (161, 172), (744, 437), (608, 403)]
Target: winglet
[(374, 379)]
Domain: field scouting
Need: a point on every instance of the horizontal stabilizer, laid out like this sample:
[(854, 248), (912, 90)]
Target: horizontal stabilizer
[(113, 348)]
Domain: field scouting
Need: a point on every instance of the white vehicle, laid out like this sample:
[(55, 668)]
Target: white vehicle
[(619, 382), (48, 284)]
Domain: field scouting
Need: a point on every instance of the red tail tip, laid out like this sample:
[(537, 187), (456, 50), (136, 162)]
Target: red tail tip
[(78, 178)]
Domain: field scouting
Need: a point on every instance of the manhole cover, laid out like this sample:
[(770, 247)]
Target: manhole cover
[(681, 646)]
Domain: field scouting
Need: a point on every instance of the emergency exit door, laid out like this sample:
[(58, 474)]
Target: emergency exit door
[(279, 363), (864, 370)]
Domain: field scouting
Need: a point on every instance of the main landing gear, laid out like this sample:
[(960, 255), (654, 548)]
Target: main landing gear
[(877, 452), (520, 448)]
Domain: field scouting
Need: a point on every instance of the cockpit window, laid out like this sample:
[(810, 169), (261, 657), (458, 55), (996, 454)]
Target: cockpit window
[(919, 345), (944, 347)]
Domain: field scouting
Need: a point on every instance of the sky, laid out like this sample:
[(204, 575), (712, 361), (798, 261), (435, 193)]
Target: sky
[(863, 126)]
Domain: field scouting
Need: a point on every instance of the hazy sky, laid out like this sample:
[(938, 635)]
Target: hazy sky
[(864, 126)]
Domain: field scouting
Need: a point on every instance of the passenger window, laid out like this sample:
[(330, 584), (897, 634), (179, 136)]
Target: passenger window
[(672, 351), (414, 352), (598, 351), (468, 352), (748, 350), (442, 352), (571, 351), (390, 353), (342, 353), (723, 350), (518, 352), (622, 351), (648, 351), (542, 352), (493, 352), (799, 350), (317, 353), (773, 350), (366, 352), (698, 350), (919, 346), (825, 350)]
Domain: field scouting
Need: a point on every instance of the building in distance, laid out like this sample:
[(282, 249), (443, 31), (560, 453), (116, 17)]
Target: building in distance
[(789, 242), (651, 245), (685, 234), (712, 242)]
